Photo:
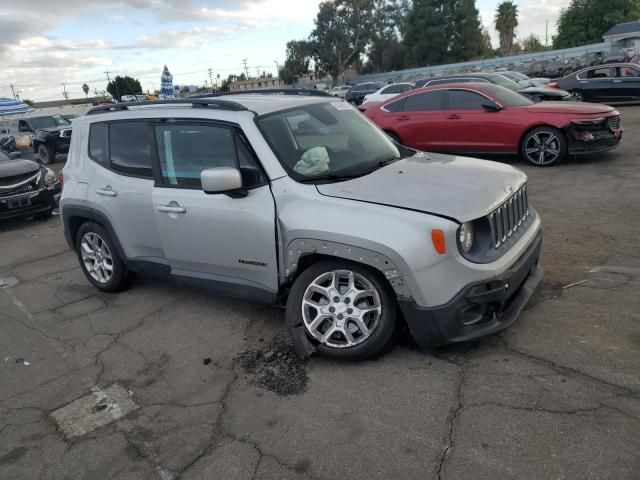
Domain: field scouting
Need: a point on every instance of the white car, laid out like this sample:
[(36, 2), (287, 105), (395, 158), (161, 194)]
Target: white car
[(387, 92), (525, 81), (339, 91)]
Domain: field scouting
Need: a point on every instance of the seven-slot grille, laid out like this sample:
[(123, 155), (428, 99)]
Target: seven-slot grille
[(614, 122), (509, 217)]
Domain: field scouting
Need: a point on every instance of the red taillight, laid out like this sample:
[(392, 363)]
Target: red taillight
[(553, 85), (61, 180)]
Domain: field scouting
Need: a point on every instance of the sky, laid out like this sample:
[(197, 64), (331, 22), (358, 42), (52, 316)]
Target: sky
[(45, 43)]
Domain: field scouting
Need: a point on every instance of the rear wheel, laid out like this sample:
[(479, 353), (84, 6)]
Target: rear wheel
[(46, 153), (99, 259), (576, 96), (544, 146), (347, 310)]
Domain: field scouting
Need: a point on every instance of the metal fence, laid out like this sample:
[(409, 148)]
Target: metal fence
[(515, 62)]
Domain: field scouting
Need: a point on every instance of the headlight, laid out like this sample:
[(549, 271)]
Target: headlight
[(50, 177), (465, 237)]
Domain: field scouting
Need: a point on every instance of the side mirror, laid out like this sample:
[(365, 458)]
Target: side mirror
[(492, 106), (222, 180)]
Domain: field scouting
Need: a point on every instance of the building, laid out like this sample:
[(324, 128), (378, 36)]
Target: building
[(623, 35), (256, 84)]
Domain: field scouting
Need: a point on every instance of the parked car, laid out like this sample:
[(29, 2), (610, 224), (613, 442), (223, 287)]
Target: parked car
[(51, 135), (525, 81), (339, 91), (7, 141), (283, 201), (27, 189), (69, 116), (537, 94), (603, 83), (558, 68), (387, 92), (356, 94), (482, 118), (617, 57)]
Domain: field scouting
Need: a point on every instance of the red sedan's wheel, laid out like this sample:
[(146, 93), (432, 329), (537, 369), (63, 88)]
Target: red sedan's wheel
[(544, 146)]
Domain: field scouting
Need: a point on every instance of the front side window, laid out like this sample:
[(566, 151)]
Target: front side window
[(600, 73), (130, 148), (465, 100), (329, 139)]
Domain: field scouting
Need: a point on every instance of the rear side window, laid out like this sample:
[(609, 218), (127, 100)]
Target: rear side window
[(465, 100), (424, 102), (98, 142), (130, 148), (600, 73)]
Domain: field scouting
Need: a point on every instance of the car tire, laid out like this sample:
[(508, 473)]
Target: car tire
[(99, 259), (576, 96), (544, 146), (46, 154), (394, 137), (363, 319)]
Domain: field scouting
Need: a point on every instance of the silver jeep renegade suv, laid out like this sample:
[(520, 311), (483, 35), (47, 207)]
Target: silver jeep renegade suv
[(300, 200)]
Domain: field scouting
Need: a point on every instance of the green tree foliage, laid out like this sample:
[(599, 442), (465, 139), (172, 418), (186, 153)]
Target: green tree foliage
[(442, 31), (532, 44), (385, 51), (342, 31), (123, 86), (506, 21), (299, 54), (585, 21)]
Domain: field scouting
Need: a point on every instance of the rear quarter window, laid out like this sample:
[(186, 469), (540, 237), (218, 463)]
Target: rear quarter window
[(98, 142), (130, 148)]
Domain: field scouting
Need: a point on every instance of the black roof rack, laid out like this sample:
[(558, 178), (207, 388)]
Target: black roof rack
[(311, 92), (194, 102)]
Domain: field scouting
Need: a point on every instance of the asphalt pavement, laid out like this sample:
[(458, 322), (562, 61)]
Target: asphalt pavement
[(163, 381)]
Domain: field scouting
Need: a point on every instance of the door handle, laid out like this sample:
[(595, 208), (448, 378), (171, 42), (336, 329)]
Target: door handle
[(617, 81), (403, 118), (173, 207), (453, 117), (107, 191)]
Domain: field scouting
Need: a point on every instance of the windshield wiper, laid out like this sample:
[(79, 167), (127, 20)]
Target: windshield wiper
[(331, 176)]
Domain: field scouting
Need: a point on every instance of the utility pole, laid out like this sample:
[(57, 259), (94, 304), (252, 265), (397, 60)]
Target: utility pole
[(13, 92), (211, 78), (246, 69), (546, 33), (64, 93)]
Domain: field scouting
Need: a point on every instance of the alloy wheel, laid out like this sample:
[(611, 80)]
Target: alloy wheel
[(542, 148), (576, 96), (96, 257), (341, 308)]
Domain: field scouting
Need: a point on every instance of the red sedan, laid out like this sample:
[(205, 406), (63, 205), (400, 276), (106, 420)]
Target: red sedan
[(475, 118)]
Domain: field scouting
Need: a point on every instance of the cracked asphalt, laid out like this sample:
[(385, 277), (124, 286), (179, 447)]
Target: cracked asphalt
[(557, 396)]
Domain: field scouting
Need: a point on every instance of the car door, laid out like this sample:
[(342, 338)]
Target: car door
[(470, 127), (228, 238), (120, 185), (418, 119), (598, 84), (628, 82)]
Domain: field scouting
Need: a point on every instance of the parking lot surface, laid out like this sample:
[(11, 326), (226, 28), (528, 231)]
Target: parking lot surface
[(164, 381)]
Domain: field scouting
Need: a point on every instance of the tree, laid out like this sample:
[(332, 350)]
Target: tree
[(287, 76), (442, 31), (85, 89), (532, 44), (506, 21), (342, 31), (385, 52), (123, 86), (585, 21), (298, 57)]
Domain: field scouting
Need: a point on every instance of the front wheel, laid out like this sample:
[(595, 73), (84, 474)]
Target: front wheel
[(544, 146), (47, 154), (347, 310)]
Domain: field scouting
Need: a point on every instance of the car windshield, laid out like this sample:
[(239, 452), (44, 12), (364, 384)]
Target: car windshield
[(507, 97), (49, 122), (505, 82), (328, 141)]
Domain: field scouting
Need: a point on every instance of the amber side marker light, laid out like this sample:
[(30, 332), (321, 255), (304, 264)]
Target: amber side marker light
[(437, 237)]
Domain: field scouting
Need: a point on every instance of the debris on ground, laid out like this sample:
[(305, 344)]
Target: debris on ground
[(276, 367), (206, 361), (575, 284)]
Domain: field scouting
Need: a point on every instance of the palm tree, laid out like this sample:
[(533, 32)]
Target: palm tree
[(506, 21)]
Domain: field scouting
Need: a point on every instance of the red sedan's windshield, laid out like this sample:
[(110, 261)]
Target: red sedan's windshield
[(507, 97)]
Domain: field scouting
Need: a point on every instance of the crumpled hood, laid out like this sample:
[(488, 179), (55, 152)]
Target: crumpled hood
[(11, 168), (455, 187)]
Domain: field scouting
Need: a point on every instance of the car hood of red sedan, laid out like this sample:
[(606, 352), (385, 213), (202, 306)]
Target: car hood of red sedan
[(458, 188), (570, 107)]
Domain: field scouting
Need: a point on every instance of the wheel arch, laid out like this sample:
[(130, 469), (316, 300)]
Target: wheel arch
[(73, 217)]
